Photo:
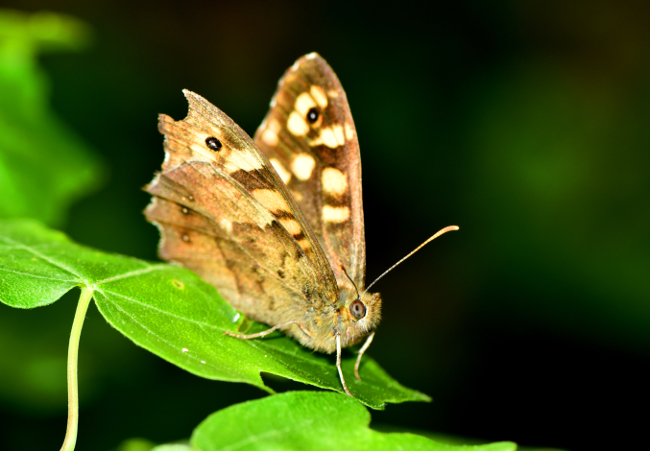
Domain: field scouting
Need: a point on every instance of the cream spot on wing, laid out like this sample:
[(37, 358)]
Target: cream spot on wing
[(226, 224), (302, 166), (338, 132), (297, 125), (270, 133), (238, 160), (334, 182), (333, 93), (319, 96), (275, 125), (304, 103), (281, 170), (304, 244), (315, 142), (270, 137), (349, 131), (328, 138), (271, 200), (291, 226), (297, 195), (335, 214)]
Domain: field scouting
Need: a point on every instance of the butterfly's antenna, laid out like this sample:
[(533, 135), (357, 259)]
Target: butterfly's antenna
[(435, 235), (353, 284)]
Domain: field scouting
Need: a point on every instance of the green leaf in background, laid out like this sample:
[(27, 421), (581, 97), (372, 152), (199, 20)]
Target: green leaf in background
[(308, 421), (140, 444), (44, 165), (172, 447), (171, 312)]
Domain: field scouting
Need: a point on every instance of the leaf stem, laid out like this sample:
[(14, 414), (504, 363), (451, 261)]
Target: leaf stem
[(73, 357)]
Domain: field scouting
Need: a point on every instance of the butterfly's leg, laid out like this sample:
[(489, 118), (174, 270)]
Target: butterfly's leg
[(267, 331), (361, 351), (338, 364)]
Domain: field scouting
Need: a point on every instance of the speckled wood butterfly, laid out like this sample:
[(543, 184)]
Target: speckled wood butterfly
[(275, 224)]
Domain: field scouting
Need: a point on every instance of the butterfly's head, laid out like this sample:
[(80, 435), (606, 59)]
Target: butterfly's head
[(359, 316)]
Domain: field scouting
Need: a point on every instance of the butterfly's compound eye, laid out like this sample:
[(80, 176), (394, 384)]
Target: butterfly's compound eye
[(312, 115), (358, 309), (213, 143)]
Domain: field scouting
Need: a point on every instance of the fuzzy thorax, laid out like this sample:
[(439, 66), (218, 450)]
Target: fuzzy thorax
[(338, 320)]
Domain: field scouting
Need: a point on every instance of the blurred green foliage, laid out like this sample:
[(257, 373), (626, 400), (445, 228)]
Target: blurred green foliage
[(526, 123), (44, 165), (563, 160)]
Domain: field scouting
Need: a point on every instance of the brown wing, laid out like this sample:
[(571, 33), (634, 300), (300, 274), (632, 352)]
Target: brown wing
[(224, 213), (309, 136)]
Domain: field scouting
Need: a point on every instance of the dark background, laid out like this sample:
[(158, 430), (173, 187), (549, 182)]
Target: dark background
[(525, 123)]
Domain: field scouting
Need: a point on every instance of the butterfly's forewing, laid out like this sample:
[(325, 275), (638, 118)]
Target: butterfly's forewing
[(310, 138), (224, 213)]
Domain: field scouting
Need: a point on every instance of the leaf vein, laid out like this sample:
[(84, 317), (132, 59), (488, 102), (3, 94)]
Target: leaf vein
[(149, 306), (134, 273), (36, 275), (44, 257)]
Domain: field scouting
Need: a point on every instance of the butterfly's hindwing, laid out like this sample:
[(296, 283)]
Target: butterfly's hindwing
[(310, 138)]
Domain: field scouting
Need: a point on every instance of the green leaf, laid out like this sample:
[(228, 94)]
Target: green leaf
[(308, 421), (173, 447), (171, 312), (44, 165), (139, 444)]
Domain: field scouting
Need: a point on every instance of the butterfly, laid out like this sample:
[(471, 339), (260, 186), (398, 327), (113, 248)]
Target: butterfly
[(275, 223)]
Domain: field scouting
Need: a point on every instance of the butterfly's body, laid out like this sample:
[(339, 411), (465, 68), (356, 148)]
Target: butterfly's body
[(276, 224), (323, 322)]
